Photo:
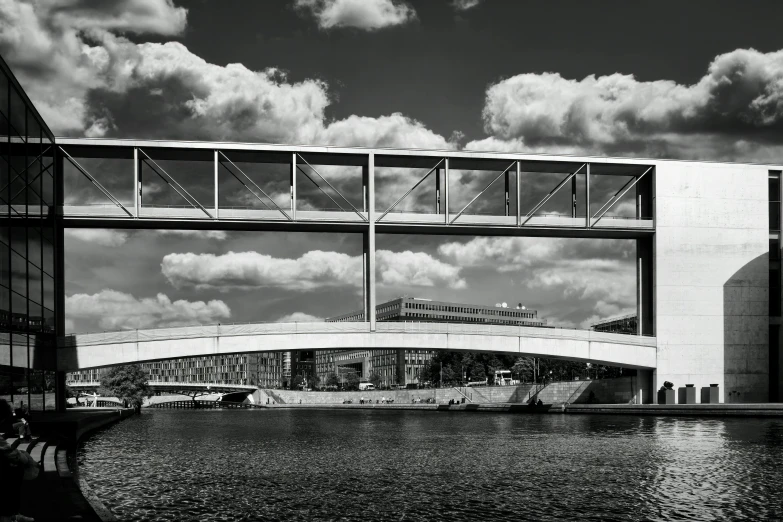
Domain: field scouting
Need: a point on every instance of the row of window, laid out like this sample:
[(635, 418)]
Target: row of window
[(468, 310)]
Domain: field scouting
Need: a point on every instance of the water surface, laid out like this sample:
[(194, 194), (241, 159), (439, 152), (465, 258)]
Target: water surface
[(407, 465)]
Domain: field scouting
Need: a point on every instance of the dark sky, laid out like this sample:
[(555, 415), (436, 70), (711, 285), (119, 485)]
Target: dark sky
[(438, 68)]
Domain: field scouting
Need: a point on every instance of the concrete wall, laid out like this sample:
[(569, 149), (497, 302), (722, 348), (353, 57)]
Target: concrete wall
[(711, 277)]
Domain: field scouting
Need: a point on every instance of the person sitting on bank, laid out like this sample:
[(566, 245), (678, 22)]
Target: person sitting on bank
[(540, 403), (21, 425), (15, 466)]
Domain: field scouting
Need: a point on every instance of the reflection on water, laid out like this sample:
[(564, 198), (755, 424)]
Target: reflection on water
[(397, 465)]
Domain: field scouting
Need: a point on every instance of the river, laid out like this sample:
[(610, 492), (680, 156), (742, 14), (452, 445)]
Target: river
[(369, 465)]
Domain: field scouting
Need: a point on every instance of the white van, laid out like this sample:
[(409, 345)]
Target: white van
[(368, 386)]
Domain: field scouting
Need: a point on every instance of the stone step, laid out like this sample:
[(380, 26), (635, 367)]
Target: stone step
[(38, 449), (61, 460), (49, 461)]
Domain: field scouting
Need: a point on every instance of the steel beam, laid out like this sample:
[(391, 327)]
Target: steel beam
[(330, 186), (217, 204), (369, 247), (254, 184), (446, 190), (519, 193), (136, 184), (293, 186), (587, 196)]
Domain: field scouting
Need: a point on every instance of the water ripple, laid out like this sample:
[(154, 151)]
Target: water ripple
[(245, 465)]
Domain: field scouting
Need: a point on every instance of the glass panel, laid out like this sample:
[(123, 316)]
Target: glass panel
[(35, 316), (18, 274), (34, 246), (19, 239), (774, 249), (48, 291), (35, 284), (5, 178), (36, 390), (18, 312), (49, 320), (50, 388), (4, 85), (18, 110), (774, 215), (774, 189), (5, 266), (47, 188), (48, 257)]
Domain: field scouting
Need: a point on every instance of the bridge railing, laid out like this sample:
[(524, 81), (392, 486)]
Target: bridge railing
[(226, 330)]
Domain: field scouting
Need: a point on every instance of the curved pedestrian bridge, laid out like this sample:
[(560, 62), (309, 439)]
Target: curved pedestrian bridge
[(95, 350)]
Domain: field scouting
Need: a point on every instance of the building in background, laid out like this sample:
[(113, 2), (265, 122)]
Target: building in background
[(264, 370), (400, 366), (626, 324)]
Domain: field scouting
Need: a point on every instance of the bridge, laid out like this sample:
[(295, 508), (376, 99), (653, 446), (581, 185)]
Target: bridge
[(83, 351), (175, 387)]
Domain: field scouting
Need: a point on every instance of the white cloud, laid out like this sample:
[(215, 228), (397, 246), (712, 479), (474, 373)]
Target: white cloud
[(597, 275), (99, 236), (314, 269), (464, 5), (80, 72), (416, 269), (368, 15), (113, 310), (740, 95), (299, 317)]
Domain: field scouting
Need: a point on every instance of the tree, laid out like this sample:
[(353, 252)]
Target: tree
[(375, 379), (477, 372), (297, 381), (429, 372), (352, 381), (449, 375), (128, 383), (523, 367), (313, 380), (332, 379)]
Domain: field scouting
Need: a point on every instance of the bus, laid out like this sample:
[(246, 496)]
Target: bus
[(366, 386)]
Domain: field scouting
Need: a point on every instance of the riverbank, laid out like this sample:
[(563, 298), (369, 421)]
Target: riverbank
[(58, 493), (680, 410)]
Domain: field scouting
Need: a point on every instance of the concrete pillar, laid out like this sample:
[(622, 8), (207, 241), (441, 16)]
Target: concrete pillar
[(59, 275), (644, 387), (645, 295), (368, 247), (136, 183), (519, 193), (506, 200)]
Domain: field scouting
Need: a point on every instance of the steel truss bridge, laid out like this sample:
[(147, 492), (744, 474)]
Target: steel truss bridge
[(126, 205)]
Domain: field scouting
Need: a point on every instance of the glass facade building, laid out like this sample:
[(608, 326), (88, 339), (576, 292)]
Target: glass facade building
[(28, 251)]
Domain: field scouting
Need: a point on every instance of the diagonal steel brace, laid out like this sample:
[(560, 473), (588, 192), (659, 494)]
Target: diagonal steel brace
[(176, 186), (618, 196), (19, 175), (95, 182), (254, 184), (330, 185), (411, 189), (480, 193), (541, 203)]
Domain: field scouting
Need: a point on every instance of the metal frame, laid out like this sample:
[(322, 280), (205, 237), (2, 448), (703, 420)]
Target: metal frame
[(437, 165), (554, 191), (220, 153), (485, 189), (330, 186), (95, 181), (157, 169), (618, 196)]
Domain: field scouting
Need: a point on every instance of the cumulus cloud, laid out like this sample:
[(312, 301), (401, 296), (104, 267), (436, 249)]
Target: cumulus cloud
[(99, 236), (368, 15), (80, 76), (218, 235), (598, 274), (734, 111), (314, 269), (113, 310), (299, 317), (464, 5)]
